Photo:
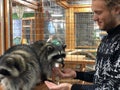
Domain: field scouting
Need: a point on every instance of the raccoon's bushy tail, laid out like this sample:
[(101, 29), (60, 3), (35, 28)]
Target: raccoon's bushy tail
[(13, 64)]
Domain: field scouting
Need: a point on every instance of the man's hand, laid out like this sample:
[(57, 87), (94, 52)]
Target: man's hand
[(65, 73), (63, 86)]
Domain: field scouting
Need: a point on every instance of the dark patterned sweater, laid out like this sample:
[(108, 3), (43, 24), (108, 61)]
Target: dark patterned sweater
[(107, 74)]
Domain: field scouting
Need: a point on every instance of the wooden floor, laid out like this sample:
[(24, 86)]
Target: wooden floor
[(39, 87)]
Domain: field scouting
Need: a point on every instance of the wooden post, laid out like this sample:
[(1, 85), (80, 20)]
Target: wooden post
[(39, 20), (7, 24), (70, 31)]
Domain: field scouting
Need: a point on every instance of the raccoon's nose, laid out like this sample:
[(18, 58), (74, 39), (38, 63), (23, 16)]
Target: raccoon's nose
[(60, 60)]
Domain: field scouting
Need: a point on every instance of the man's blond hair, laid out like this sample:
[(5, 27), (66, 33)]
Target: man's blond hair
[(112, 3)]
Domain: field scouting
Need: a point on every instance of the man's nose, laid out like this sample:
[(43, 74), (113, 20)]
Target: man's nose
[(95, 17)]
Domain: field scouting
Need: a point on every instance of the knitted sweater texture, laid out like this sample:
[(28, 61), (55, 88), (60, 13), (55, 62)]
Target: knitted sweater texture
[(107, 74)]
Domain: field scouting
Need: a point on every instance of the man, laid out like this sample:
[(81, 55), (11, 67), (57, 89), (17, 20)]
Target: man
[(107, 70)]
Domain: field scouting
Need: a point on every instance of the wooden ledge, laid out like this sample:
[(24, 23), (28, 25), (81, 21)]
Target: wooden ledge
[(78, 59)]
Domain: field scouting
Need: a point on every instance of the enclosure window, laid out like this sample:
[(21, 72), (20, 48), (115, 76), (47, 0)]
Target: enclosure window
[(85, 29)]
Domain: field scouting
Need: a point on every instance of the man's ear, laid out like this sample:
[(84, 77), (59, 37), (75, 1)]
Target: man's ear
[(117, 9)]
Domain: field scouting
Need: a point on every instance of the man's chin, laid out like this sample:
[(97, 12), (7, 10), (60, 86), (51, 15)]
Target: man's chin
[(102, 28)]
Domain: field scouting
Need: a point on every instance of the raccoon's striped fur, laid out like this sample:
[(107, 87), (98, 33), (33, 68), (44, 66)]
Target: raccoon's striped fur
[(24, 66)]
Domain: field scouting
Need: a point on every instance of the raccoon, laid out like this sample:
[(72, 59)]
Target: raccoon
[(24, 66), (48, 55)]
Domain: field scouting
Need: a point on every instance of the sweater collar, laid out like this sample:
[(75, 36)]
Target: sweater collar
[(114, 30)]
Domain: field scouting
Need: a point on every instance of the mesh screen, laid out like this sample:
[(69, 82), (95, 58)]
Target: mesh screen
[(73, 28), (84, 28)]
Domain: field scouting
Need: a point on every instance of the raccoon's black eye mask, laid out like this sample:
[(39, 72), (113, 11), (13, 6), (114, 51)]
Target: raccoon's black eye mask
[(4, 72), (59, 56)]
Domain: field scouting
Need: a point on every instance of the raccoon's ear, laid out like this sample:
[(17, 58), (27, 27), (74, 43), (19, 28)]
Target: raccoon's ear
[(50, 48), (64, 46)]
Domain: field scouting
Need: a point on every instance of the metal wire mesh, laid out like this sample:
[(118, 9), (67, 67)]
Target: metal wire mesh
[(84, 26), (69, 26)]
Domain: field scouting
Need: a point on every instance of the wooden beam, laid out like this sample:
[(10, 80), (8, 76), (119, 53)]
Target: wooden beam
[(27, 4), (62, 3), (86, 47), (80, 6), (65, 4), (32, 2), (39, 20)]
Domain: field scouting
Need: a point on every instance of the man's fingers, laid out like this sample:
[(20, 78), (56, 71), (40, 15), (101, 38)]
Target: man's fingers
[(50, 84)]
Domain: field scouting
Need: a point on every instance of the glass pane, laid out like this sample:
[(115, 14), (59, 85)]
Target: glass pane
[(23, 24), (54, 20)]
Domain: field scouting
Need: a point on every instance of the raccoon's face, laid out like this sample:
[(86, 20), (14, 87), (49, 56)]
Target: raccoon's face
[(49, 55), (56, 54), (49, 52), (12, 65)]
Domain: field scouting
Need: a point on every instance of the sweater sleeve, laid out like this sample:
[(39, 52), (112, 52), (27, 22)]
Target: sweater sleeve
[(85, 76), (82, 87)]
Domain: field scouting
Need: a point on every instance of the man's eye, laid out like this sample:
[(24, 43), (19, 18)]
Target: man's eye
[(97, 12)]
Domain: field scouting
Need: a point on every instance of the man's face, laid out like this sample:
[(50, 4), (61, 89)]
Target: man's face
[(104, 17)]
